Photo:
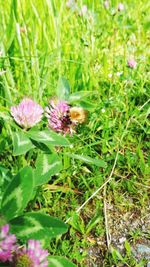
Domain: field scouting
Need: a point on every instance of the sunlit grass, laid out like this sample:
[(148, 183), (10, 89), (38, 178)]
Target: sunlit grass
[(41, 41)]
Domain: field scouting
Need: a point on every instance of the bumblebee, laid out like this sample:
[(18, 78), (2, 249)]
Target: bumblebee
[(77, 114)]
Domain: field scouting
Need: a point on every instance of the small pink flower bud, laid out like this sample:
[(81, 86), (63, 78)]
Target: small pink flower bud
[(7, 244), (132, 63), (83, 10), (71, 4), (120, 7), (106, 4)]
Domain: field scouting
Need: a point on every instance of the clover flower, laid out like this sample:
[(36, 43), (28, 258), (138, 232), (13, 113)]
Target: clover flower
[(132, 63), (7, 244), (120, 7), (58, 116), (31, 255), (27, 113)]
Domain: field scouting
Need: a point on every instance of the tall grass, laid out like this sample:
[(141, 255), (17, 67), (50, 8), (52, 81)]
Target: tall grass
[(42, 41)]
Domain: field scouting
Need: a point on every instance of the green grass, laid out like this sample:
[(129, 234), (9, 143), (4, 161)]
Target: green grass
[(42, 41)]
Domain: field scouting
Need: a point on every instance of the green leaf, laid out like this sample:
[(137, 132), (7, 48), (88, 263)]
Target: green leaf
[(116, 255), (81, 95), (63, 88), (77, 223), (46, 166), (48, 138), (88, 160), (4, 264), (18, 193), (87, 105), (4, 175), (5, 178), (56, 261), (93, 222), (36, 225), (4, 115), (127, 247), (21, 143)]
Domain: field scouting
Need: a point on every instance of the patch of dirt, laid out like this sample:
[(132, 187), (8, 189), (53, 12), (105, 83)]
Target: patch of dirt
[(122, 225), (133, 225)]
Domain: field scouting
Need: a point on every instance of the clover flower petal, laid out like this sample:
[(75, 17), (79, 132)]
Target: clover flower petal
[(7, 244), (31, 255)]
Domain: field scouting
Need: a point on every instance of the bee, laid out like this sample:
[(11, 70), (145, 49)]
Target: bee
[(77, 114)]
